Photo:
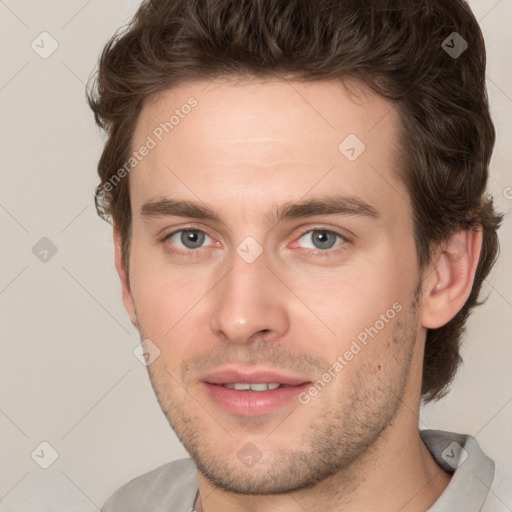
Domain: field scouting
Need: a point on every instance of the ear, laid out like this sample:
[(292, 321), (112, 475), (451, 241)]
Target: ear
[(449, 280), (123, 276)]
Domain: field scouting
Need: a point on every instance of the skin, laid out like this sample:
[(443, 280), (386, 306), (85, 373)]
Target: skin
[(246, 147)]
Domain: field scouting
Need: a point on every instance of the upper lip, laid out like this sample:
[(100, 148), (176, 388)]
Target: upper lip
[(229, 376)]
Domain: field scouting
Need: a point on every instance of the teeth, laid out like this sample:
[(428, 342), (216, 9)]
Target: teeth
[(253, 387)]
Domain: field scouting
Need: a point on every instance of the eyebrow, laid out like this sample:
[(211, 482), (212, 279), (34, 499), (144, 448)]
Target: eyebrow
[(328, 205)]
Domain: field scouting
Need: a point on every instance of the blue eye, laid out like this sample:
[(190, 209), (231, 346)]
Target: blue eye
[(190, 241), (322, 239), (188, 238)]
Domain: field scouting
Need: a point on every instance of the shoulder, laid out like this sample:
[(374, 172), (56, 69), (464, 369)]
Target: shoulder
[(174, 483), (479, 482), (500, 495)]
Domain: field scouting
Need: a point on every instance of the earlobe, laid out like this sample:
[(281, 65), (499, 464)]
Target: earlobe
[(123, 277), (449, 280)]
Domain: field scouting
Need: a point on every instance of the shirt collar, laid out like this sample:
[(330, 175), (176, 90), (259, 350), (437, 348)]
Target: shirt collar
[(472, 470)]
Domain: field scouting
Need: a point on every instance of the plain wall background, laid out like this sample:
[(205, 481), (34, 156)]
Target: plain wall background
[(68, 373)]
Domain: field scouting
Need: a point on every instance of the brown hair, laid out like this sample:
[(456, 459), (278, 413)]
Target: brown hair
[(394, 46)]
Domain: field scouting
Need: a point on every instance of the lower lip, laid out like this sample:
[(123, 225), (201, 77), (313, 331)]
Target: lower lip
[(252, 403)]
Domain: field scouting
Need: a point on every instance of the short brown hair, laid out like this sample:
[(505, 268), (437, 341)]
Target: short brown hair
[(394, 46)]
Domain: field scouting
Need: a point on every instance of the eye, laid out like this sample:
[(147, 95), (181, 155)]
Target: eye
[(322, 239), (187, 239)]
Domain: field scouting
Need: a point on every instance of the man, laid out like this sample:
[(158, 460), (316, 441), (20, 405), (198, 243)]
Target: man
[(301, 230)]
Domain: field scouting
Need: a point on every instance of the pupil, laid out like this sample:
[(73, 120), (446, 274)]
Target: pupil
[(322, 240), (192, 239)]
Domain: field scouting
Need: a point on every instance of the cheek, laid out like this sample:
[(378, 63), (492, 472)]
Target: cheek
[(356, 294), (363, 305), (168, 299), (159, 286)]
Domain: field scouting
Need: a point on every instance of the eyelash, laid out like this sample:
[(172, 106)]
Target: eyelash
[(313, 252)]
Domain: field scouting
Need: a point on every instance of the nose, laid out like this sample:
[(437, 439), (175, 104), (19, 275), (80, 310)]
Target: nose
[(250, 302)]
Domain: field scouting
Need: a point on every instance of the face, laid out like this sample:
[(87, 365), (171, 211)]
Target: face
[(270, 243)]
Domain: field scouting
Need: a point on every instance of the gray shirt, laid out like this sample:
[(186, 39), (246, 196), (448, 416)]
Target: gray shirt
[(174, 487)]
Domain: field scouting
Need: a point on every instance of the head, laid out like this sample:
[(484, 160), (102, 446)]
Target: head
[(245, 108)]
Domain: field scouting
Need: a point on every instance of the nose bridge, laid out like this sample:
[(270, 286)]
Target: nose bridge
[(248, 299)]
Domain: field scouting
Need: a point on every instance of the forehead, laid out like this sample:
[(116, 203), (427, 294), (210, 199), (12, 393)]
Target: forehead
[(250, 143)]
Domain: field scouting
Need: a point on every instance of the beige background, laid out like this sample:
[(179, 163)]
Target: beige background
[(68, 373)]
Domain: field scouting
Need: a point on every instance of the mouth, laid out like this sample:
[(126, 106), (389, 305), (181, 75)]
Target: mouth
[(237, 377), (256, 386), (254, 394)]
